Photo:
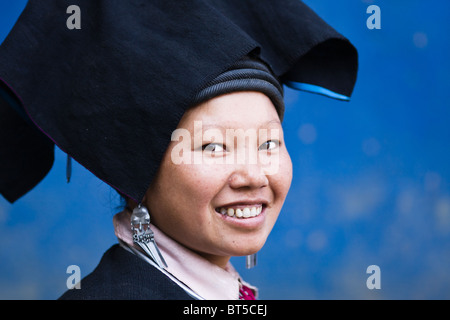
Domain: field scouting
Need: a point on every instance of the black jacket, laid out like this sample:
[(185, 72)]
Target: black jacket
[(122, 275)]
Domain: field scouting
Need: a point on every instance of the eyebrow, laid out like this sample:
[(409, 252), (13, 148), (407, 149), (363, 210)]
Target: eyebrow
[(213, 126)]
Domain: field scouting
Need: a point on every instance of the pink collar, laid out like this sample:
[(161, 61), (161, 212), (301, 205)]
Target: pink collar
[(205, 278)]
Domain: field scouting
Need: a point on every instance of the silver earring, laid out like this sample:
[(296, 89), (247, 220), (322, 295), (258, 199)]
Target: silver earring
[(250, 261), (143, 235)]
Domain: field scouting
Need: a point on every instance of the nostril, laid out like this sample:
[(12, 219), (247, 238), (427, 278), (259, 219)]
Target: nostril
[(248, 179)]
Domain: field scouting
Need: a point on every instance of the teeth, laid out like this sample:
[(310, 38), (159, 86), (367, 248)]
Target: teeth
[(247, 212)]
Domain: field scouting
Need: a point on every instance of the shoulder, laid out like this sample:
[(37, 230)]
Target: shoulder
[(124, 276)]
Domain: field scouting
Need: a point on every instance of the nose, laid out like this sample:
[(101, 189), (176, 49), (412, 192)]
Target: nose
[(248, 176)]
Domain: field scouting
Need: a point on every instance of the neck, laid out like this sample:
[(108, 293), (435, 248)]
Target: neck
[(220, 261)]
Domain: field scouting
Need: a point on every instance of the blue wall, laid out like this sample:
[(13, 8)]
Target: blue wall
[(371, 179)]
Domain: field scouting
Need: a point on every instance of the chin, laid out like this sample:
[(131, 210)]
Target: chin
[(248, 248)]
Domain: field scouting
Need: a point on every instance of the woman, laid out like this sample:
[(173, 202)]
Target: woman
[(178, 107)]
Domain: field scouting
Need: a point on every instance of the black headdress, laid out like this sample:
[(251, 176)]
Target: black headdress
[(111, 93)]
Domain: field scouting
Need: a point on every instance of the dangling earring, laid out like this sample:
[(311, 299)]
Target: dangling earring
[(250, 261), (143, 235)]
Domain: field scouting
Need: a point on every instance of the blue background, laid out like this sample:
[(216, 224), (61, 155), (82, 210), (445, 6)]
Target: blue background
[(371, 179)]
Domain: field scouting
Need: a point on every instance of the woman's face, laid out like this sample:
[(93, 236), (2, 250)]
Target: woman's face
[(224, 177)]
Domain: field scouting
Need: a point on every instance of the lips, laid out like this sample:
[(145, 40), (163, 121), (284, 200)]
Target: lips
[(241, 211)]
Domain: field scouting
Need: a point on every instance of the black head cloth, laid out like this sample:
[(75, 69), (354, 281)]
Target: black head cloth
[(111, 93), (247, 74)]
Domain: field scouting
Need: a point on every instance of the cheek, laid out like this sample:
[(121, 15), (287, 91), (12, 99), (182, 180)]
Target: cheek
[(281, 180), (200, 183), (187, 190), (182, 203), (288, 171)]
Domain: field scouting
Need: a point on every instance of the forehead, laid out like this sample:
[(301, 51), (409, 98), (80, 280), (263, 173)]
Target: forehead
[(237, 109)]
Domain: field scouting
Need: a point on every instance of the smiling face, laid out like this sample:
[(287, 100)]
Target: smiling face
[(227, 203)]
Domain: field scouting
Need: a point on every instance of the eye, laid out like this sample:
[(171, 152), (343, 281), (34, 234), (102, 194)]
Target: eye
[(213, 147), (269, 145)]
